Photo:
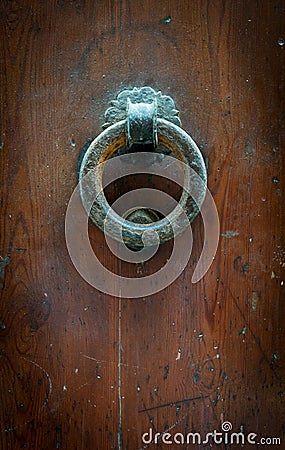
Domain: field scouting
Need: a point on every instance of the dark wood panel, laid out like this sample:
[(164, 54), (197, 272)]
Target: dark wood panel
[(80, 369)]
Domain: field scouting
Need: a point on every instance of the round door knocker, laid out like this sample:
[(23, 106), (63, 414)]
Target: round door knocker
[(137, 118)]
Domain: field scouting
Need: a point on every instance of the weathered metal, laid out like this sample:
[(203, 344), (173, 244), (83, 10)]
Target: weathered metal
[(120, 134), (165, 106)]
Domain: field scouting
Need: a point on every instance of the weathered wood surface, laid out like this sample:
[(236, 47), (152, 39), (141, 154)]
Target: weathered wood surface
[(82, 370)]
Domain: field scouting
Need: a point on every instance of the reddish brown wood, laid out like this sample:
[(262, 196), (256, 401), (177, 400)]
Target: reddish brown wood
[(80, 369)]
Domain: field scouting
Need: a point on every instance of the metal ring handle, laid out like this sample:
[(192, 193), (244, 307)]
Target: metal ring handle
[(114, 138)]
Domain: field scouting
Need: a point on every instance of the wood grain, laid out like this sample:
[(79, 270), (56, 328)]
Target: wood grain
[(83, 370)]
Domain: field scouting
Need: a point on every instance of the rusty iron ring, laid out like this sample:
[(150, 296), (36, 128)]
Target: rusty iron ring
[(114, 138)]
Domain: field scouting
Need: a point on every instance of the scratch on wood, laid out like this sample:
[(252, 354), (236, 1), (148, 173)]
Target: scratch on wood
[(110, 362), (177, 402), (199, 363), (80, 387), (92, 359), (44, 371), (166, 431), (254, 336)]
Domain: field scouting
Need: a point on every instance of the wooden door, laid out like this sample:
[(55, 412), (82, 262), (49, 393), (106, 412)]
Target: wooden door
[(84, 370)]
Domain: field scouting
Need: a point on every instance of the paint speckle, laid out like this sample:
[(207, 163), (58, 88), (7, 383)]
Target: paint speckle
[(177, 409), (254, 300), (167, 19), (243, 333), (196, 378), (4, 261), (64, 388), (281, 42), (178, 354), (275, 180), (279, 255), (230, 234), (239, 266), (166, 372), (248, 148)]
